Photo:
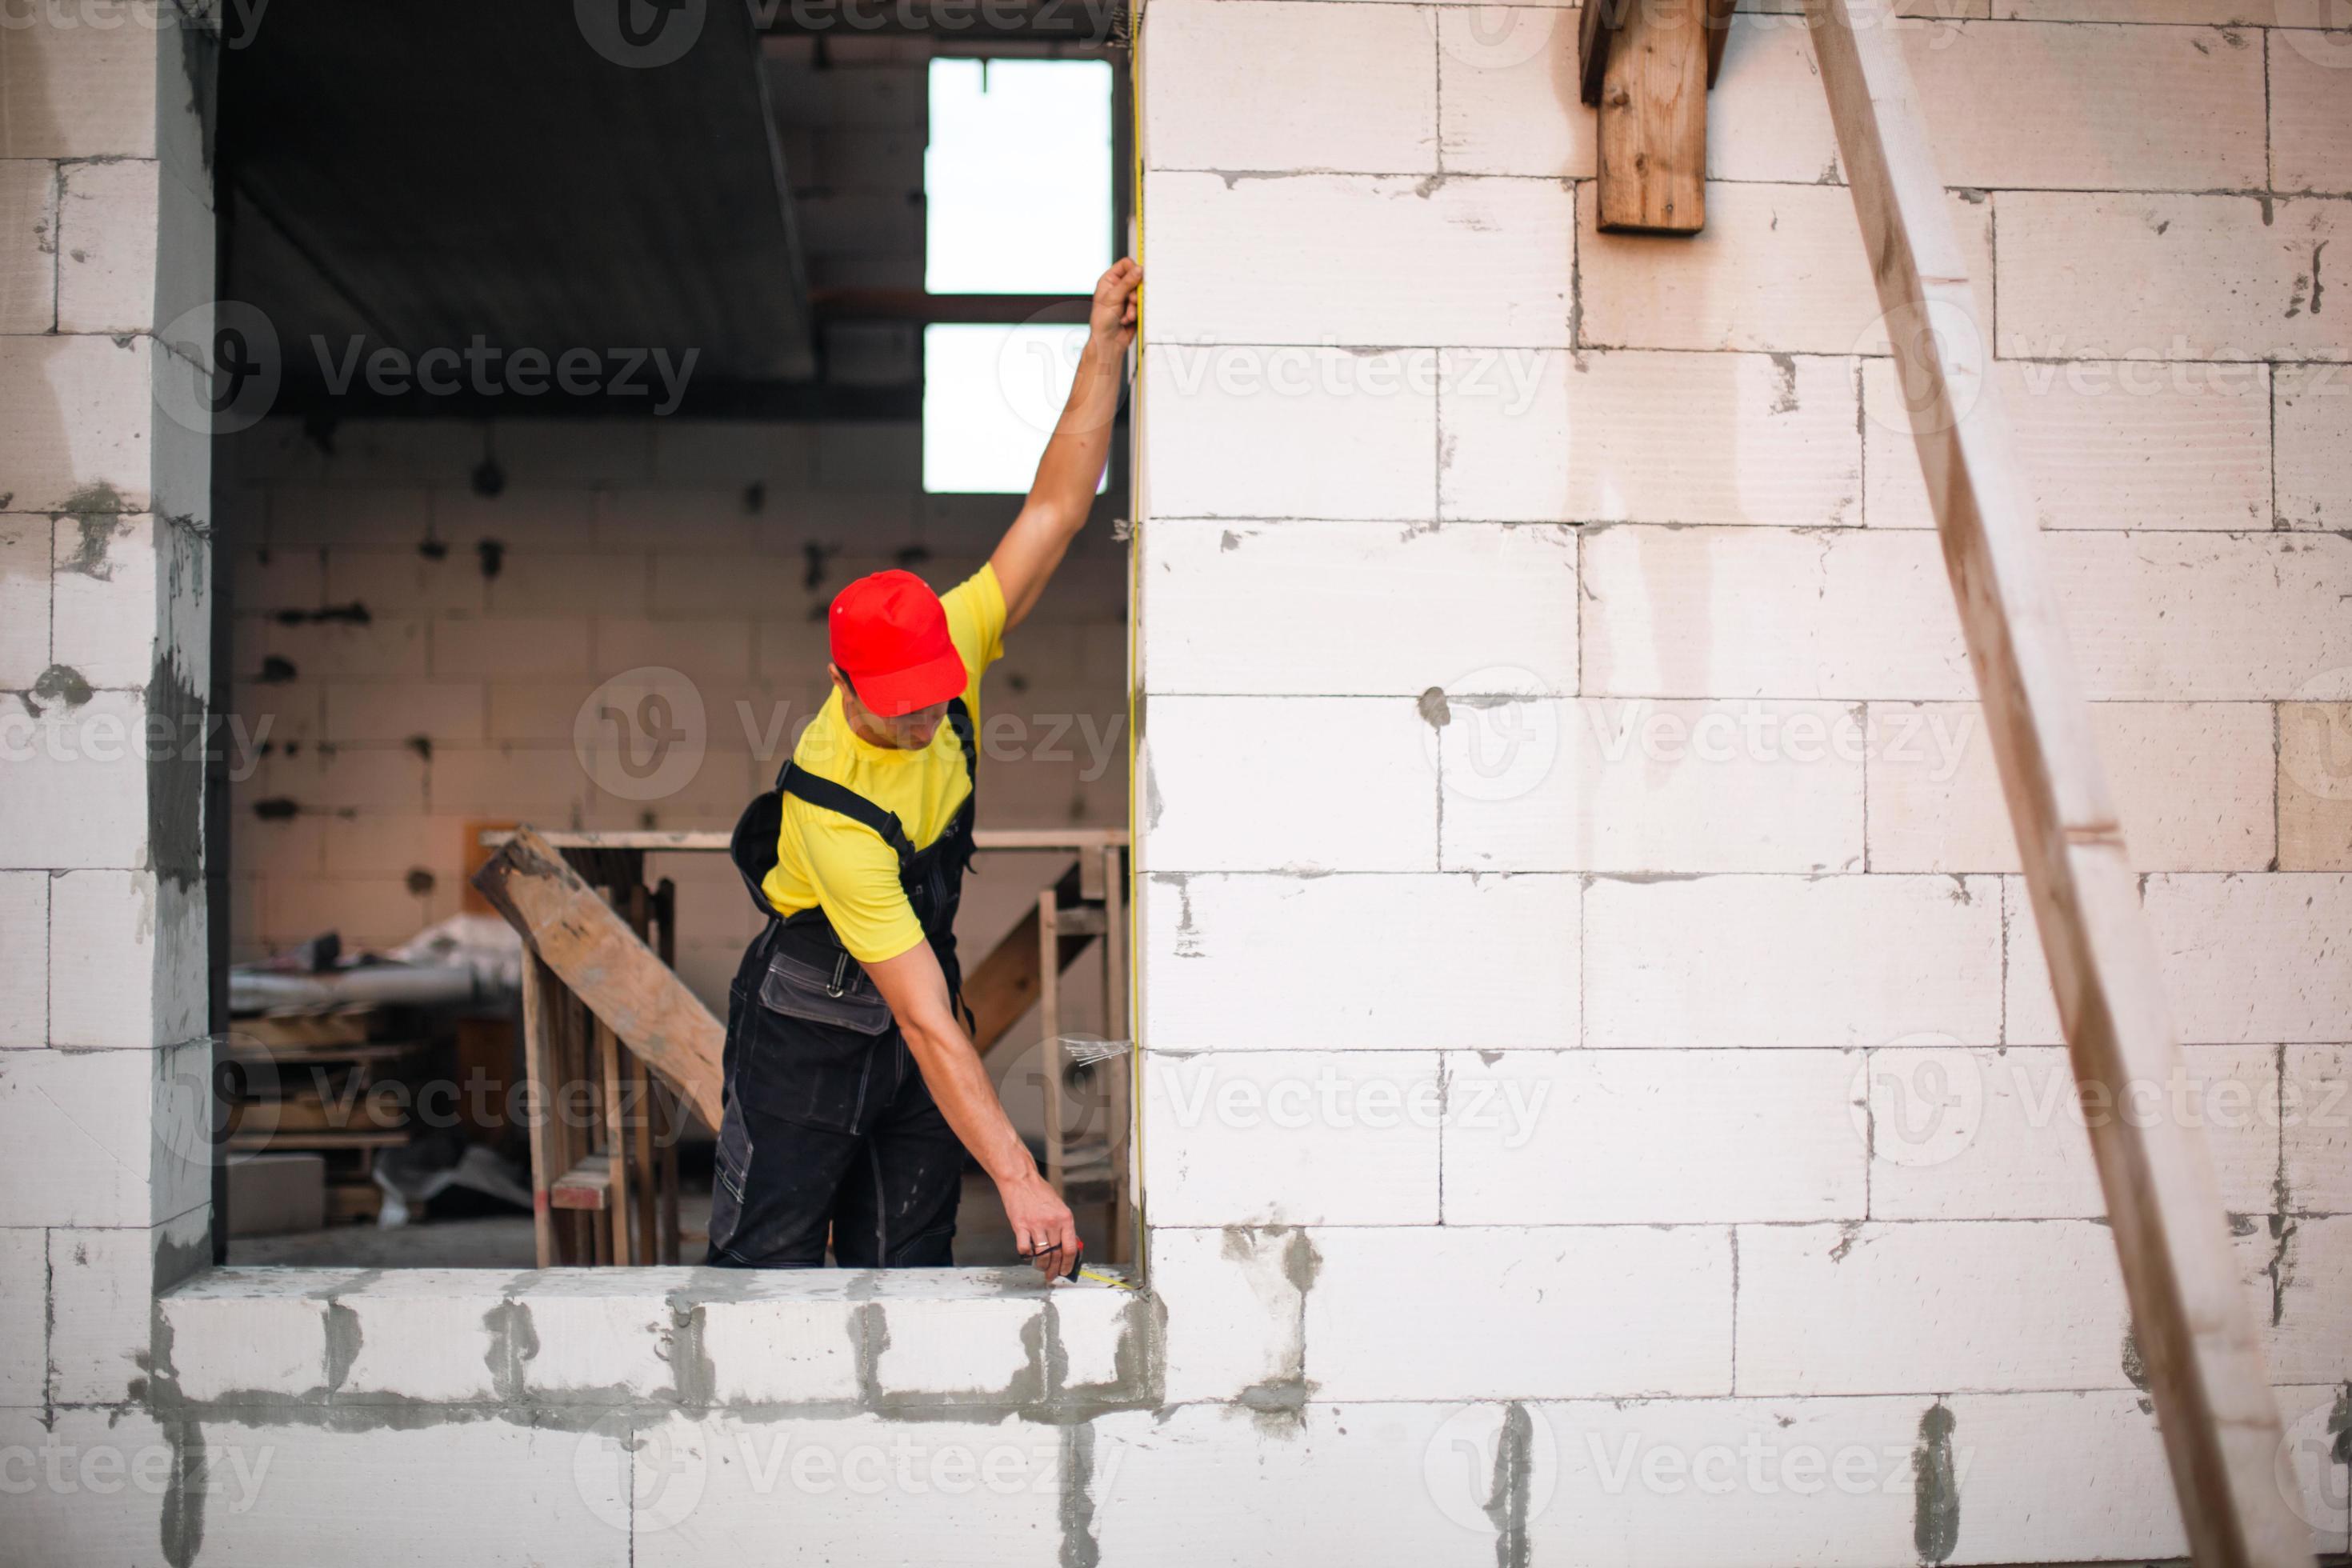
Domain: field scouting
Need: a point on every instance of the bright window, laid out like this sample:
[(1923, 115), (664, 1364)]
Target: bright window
[(991, 395), (1017, 184), (1016, 180)]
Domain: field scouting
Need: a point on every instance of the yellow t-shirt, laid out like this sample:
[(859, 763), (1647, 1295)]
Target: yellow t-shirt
[(825, 858)]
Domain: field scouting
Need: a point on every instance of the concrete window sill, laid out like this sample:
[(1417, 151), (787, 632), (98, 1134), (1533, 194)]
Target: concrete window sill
[(836, 1340)]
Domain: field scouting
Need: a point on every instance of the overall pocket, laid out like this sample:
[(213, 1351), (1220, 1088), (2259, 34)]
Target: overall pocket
[(728, 1178), (810, 1040)]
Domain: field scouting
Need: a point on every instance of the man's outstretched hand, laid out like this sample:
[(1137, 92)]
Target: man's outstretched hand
[(1042, 1226), (1111, 320)]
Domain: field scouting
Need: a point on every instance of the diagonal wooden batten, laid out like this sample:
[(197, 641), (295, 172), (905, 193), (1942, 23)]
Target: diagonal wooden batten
[(587, 944), (2195, 1333)]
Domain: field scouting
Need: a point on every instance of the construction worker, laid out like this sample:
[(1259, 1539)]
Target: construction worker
[(853, 1089)]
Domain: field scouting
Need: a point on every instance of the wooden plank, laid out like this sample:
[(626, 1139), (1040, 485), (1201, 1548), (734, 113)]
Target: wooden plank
[(573, 1112), (481, 838), (617, 1136), (1068, 840), (1652, 147), (537, 1070), (586, 1187), (1049, 1015), (1081, 919), (640, 1103), (310, 1058), (673, 1119), (283, 1032), (279, 1142), (2195, 1333), (593, 951)]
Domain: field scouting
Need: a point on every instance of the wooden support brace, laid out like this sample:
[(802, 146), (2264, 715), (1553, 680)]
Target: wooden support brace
[(2195, 1332), (660, 1100), (1646, 65), (546, 1133), (1049, 1015), (568, 924), (616, 1137)]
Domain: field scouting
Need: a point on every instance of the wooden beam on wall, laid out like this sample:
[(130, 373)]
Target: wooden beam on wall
[(587, 944), (2194, 1329), (1645, 65)]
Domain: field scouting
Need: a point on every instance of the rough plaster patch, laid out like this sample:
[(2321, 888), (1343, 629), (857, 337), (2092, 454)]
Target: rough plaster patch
[(1506, 1503), (1935, 1512)]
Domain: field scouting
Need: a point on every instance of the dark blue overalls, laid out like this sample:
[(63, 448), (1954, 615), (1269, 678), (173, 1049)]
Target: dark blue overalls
[(828, 1125)]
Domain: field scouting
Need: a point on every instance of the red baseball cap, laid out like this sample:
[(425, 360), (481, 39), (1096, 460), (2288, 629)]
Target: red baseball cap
[(890, 638)]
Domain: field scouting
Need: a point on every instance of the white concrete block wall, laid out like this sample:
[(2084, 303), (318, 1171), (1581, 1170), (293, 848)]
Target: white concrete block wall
[(105, 587), (1780, 1044)]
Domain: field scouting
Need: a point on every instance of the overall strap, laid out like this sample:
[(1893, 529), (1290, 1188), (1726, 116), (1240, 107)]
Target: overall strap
[(823, 792), (960, 721), (820, 791)]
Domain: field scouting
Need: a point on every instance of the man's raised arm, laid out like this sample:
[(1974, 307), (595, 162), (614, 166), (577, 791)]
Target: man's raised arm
[(1064, 491)]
